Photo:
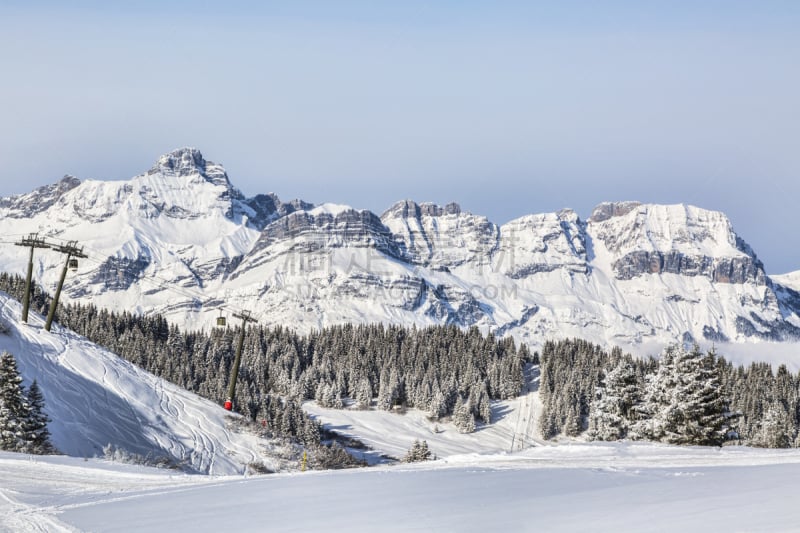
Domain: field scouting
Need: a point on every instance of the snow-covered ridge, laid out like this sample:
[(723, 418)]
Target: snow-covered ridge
[(26, 205), (684, 228), (181, 240), (677, 239), (790, 280)]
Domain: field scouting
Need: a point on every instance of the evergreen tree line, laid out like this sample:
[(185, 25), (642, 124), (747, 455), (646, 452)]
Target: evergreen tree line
[(441, 369), (23, 422), (684, 397)]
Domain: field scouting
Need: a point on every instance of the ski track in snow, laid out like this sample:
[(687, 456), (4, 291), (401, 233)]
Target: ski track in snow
[(524, 435), (94, 398), (21, 517)]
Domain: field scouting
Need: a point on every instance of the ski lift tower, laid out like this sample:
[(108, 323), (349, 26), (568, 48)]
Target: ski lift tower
[(73, 253), (32, 241), (246, 317)]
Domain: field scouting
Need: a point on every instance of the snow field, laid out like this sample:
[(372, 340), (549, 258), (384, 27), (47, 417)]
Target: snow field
[(583, 487)]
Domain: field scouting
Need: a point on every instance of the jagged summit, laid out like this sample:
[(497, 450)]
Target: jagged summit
[(607, 210), (409, 208), (187, 162)]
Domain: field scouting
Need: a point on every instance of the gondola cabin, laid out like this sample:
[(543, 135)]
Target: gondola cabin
[(73, 264), (221, 322)]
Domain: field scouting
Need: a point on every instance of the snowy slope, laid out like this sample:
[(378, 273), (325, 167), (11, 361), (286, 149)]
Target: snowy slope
[(181, 240), (392, 434), (94, 398), (597, 487), (790, 280)]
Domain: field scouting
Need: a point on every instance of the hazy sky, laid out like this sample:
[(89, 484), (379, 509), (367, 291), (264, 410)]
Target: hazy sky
[(508, 108)]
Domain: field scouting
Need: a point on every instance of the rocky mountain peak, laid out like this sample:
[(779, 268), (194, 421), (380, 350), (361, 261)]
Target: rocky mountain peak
[(411, 209), (403, 209), (607, 210), (67, 183), (188, 162)]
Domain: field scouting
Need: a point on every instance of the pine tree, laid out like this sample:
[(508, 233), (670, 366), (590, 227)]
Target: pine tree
[(463, 418), (684, 403), (617, 398), (437, 405), (776, 429), (419, 451), (363, 396), (14, 409), (655, 407), (37, 434)]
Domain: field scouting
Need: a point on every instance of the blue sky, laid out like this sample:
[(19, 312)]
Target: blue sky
[(508, 108)]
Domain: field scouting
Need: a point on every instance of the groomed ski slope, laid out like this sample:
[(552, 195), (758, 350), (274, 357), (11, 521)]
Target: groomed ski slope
[(95, 398), (584, 487)]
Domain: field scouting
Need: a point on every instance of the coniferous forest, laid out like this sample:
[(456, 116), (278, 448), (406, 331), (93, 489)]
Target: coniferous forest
[(683, 397)]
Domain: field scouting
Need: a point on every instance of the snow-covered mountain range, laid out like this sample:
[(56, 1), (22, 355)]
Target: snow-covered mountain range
[(180, 239)]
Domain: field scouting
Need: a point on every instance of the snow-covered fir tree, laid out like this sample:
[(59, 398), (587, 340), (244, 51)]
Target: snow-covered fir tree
[(463, 418), (614, 409), (776, 429), (14, 407), (363, 394), (23, 422), (658, 397), (685, 401), (36, 432)]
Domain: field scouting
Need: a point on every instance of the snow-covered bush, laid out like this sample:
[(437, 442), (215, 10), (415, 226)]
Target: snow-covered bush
[(419, 451), (120, 455)]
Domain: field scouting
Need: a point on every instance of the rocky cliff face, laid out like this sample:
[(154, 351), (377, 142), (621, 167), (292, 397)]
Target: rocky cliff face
[(181, 240), (717, 269), (321, 229), (544, 243), (440, 237)]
